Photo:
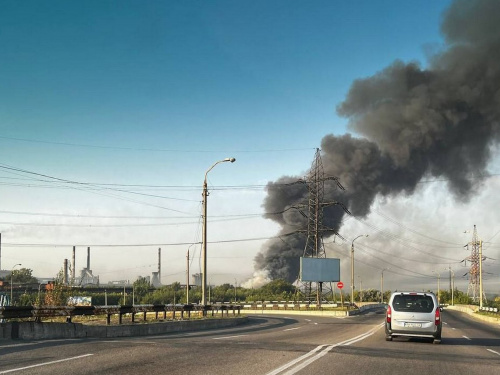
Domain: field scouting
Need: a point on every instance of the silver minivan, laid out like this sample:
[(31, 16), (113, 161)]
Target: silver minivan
[(413, 314)]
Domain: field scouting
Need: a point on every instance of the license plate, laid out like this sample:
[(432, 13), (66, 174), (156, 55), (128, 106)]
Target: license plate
[(413, 325)]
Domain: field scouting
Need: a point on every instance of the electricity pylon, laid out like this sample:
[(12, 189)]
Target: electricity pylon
[(314, 247), (475, 288)]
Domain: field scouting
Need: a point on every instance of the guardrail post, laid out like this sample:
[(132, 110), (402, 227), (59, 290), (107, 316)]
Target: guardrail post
[(108, 319), (145, 313)]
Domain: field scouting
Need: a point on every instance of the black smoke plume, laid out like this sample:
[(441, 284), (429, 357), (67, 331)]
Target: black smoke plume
[(413, 123)]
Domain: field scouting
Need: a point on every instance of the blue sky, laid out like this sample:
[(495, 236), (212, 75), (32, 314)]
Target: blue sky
[(153, 93)]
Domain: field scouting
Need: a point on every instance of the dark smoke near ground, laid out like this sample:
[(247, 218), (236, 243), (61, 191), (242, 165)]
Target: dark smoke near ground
[(413, 123)]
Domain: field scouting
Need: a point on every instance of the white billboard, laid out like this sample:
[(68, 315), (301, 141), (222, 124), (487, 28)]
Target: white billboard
[(319, 269)]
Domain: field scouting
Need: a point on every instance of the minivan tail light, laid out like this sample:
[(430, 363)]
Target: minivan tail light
[(437, 318), (388, 314)]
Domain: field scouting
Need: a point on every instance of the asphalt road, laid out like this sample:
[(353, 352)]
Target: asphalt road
[(269, 345)]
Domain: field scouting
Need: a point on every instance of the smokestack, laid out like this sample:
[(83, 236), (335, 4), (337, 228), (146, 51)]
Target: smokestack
[(414, 123), (88, 258), (73, 269), (65, 274), (159, 264)]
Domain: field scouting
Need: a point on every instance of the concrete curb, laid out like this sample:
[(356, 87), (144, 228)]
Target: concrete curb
[(296, 312), (324, 313), (44, 331), (472, 311)]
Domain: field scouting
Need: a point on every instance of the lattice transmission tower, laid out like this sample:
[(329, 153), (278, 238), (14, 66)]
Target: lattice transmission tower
[(474, 289), (314, 247)]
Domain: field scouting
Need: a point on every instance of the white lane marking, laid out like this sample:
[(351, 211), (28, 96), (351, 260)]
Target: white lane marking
[(45, 364), (493, 351), (307, 320), (291, 329), (323, 350), (316, 324), (227, 337), (465, 337), (290, 364)]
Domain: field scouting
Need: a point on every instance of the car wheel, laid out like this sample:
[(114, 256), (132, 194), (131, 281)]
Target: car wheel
[(388, 338), (436, 341)]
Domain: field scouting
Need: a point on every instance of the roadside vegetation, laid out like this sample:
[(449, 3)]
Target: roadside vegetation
[(141, 292)]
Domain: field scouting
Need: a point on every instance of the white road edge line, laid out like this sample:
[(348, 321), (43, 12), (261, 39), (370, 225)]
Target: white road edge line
[(324, 350), (45, 364), (227, 337), (292, 329), (493, 351)]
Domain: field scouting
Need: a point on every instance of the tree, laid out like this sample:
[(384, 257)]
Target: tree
[(276, 290), (141, 288), (22, 276)]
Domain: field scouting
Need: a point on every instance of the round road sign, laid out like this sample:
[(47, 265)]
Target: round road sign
[(340, 285)]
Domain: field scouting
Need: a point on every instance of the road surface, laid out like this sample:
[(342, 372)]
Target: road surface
[(269, 345)]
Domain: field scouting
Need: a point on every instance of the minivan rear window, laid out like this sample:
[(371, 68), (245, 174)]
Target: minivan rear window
[(413, 303)]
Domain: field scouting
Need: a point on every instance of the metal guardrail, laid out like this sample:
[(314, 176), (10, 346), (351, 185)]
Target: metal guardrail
[(184, 311)]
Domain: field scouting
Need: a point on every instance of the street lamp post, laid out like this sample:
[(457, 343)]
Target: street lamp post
[(352, 267), (480, 274), (11, 282), (187, 275), (452, 285), (382, 285), (235, 285), (439, 277), (360, 289), (204, 247)]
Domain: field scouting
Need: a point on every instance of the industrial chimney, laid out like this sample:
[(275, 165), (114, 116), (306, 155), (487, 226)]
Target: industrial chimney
[(65, 277), (73, 266), (159, 265)]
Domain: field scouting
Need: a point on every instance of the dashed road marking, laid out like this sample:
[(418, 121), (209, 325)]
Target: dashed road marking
[(493, 351), (227, 337)]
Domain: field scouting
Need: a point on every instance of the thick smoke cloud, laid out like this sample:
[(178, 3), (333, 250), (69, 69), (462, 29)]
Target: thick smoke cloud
[(413, 123)]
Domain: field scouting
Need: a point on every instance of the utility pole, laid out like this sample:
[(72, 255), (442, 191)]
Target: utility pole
[(382, 285), (360, 290), (204, 235), (452, 273), (481, 274), (187, 279), (352, 267)]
